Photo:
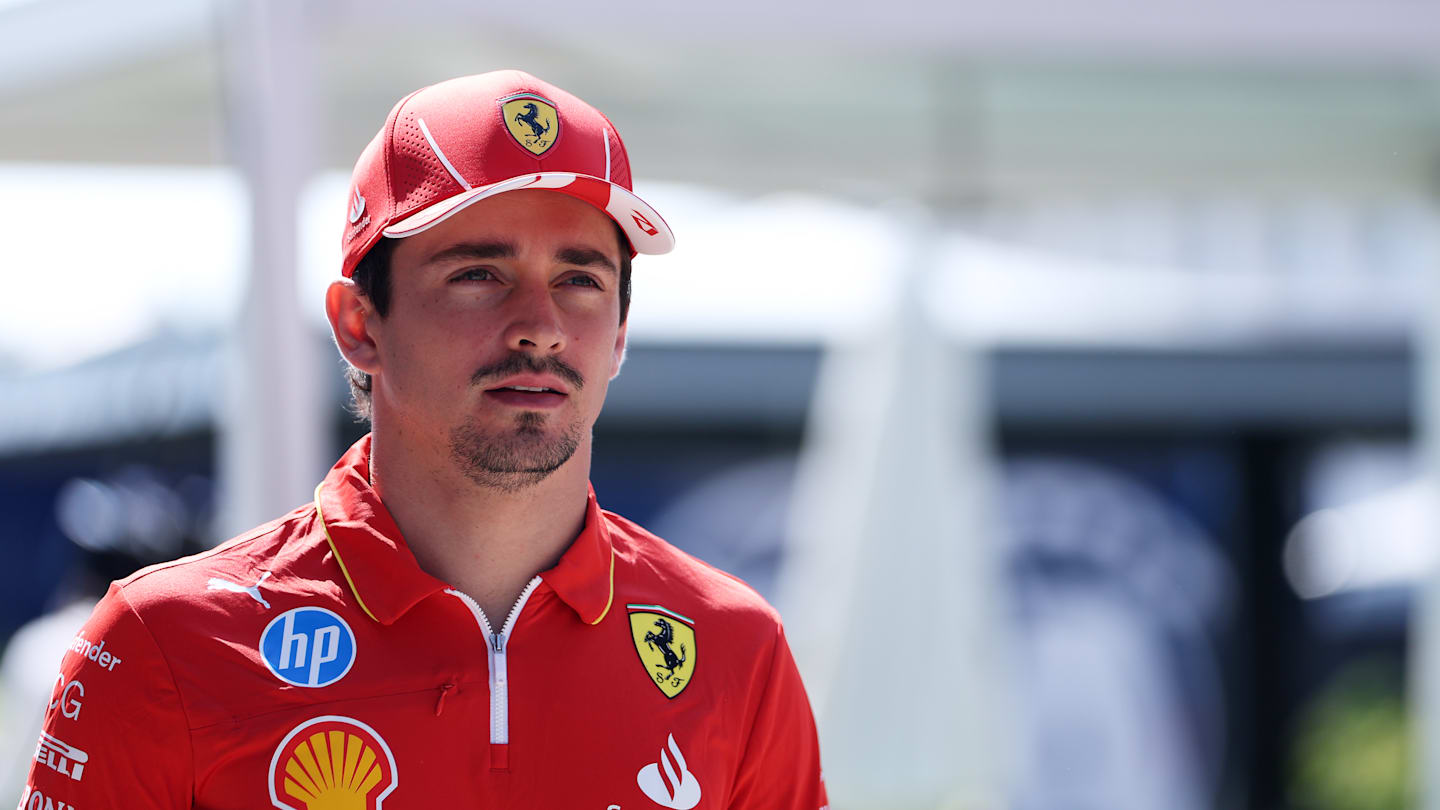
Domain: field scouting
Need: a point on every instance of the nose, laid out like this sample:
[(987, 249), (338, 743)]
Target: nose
[(534, 323)]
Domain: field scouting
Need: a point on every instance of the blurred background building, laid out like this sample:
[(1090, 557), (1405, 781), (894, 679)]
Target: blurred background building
[(1083, 347)]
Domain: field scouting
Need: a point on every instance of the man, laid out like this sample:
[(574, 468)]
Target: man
[(453, 622)]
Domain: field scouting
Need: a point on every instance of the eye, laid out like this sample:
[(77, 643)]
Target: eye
[(582, 281), (473, 274)]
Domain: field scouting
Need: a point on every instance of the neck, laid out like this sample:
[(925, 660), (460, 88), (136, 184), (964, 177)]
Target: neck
[(486, 542)]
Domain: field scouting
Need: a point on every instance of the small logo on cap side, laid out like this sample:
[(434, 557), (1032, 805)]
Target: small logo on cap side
[(532, 121), (642, 223), (357, 206)]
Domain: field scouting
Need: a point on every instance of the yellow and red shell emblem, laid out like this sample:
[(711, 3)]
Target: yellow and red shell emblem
[(332, 763)]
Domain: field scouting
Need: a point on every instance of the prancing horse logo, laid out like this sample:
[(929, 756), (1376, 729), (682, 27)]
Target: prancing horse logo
[(532, 121), (665, 642), (531, 118)]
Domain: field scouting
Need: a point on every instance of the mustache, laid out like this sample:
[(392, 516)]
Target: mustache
[(521, 363)]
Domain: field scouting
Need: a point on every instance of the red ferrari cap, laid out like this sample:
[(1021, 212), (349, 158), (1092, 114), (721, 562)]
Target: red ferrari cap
[(451, 144)]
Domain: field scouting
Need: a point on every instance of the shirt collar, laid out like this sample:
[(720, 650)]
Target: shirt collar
[(585, 576), (386, 580)]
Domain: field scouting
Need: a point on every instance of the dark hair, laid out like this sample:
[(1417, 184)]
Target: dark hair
[(372, 276)]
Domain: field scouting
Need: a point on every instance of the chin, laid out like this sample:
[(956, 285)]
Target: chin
[(520, 457)]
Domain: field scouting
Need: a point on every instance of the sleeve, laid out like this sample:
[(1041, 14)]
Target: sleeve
[(780, 768), (115, 734)]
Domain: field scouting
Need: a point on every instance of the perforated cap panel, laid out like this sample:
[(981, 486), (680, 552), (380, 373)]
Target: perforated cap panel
[(417, 177)]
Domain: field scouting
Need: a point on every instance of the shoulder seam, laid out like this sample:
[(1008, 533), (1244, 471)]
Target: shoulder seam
[(255, 534), (641, 533), (775, 641)]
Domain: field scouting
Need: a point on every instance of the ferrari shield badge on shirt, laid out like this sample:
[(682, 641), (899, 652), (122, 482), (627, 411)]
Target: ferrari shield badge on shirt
[(532, 122), (665, 641)]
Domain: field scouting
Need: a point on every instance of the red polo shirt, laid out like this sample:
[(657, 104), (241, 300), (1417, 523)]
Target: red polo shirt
[(311, 664)]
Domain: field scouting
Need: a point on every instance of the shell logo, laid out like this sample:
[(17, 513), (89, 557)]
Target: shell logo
[(332, 763)]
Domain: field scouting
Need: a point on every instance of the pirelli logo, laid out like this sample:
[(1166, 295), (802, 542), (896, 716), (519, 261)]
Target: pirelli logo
[(61, 757)]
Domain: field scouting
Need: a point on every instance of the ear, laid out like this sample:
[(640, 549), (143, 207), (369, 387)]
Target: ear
[(351, 317), (619, 357)]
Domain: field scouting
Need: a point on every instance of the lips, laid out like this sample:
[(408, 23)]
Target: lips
[(518, 395)]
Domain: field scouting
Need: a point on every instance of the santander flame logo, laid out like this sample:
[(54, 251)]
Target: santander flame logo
[(677, 789), (357, 206)]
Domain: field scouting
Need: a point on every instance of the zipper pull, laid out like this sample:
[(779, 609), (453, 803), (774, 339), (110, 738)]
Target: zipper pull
[(496, 640), (440, 704)]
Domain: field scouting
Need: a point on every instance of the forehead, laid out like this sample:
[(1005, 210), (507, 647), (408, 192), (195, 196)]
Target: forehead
[(531, 220)]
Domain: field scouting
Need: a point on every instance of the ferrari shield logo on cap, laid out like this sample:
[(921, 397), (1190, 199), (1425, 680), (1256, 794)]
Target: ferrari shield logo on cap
[(532, 121), (332, 762), (665, 641)]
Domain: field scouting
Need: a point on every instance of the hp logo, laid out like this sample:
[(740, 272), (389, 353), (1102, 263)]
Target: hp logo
[(308, 646)]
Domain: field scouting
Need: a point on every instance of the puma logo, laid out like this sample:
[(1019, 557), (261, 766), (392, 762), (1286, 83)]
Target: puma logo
[(217, 584)]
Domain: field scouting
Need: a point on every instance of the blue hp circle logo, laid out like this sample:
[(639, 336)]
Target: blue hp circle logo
[(308, 646)]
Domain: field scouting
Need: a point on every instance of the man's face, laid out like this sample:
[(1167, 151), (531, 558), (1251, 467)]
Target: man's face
[(503, 334)]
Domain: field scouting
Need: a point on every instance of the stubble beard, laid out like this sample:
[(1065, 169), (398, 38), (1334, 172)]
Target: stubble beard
[(515, 459)]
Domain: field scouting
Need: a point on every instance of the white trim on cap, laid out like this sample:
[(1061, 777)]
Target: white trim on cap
[(646, 229), (606, 132), (435, 147)]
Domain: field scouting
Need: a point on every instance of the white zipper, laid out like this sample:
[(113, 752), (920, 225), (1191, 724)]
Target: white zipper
[(495, 656)]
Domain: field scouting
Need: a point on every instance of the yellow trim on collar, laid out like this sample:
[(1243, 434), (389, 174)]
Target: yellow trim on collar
[(345, 570), (611, 598)]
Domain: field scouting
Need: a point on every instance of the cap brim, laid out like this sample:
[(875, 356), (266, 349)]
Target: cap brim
[(642, 224)]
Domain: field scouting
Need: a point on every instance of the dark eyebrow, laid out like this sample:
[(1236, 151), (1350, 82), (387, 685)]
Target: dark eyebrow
[(474, 250), (585, 257)]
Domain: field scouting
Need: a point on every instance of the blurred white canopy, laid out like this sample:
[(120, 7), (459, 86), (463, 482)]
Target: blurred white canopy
[(909, 98)]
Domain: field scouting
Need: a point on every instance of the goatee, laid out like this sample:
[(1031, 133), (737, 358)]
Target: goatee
[(515, 460)]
